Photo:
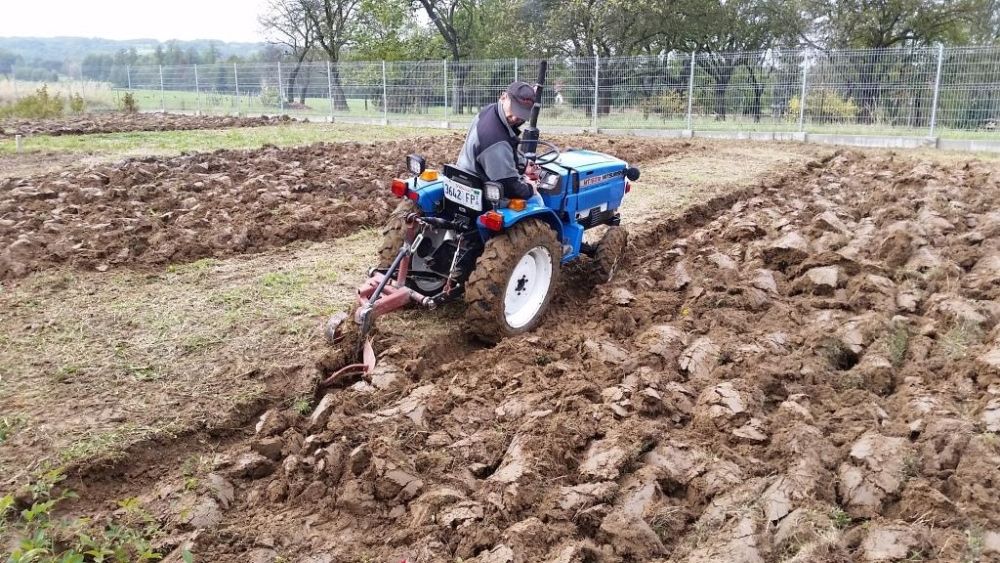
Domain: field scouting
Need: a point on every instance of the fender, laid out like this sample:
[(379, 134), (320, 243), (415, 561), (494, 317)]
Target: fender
[(429, 194), (511, 218)]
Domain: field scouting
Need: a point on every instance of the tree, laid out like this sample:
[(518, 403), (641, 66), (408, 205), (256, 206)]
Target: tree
[(734, 34), (287, 25), (880, 24), (333, 25), (877, 25)]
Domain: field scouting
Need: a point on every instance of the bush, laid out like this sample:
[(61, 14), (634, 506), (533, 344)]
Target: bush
[(824, 106), (76, 103), (39, 105), (665, 104), (128, 103), (270, 97)]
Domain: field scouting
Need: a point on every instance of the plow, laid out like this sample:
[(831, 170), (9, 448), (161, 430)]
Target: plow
[(456, 235)]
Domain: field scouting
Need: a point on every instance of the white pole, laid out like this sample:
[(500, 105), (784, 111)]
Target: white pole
[(197, 89), (17, 143), (597, 63), (236, 79), (128, 75), (385, 97), (802, 97), (937, 88), (515, 69), (691, 90), (445, 65), (163, 108), (281, 90)]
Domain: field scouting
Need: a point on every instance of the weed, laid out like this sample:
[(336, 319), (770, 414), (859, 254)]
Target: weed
[(959, 337), (840, 518), (128, 103), (840, 356), (975, 542), (899, 343), (8, 424), (39, 105), (302, 406), (76, 103), (42, 538)]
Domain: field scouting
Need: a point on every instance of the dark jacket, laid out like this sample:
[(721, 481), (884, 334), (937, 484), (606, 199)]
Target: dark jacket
[(490, 150)]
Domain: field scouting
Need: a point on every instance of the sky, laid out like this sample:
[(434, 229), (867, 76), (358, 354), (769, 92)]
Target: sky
[(225, 20)]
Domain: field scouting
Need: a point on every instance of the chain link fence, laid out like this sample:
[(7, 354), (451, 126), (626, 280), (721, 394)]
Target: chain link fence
[(948, 92)]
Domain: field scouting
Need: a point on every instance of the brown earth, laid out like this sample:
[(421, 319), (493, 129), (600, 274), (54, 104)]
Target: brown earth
[(153, 211), (803, 369), (124, 123), (762, 386)]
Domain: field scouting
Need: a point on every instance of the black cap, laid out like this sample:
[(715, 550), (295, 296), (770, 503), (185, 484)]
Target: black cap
[(522, 98)]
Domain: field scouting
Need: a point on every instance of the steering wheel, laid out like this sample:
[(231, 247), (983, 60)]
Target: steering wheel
[(547, 157)]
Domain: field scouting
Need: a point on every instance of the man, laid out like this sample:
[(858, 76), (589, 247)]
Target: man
[(490, 148)]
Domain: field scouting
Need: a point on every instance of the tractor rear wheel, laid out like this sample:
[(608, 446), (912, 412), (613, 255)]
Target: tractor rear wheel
[(394, 232), (611, 249), (514, 280)]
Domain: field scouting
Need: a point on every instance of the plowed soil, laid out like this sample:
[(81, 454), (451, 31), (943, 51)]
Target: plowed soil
[(153, 211), (124, 123), (797, 369)]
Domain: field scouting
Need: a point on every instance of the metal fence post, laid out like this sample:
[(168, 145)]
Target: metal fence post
[(281, 91), (236, 81), (802, 97), (937, 88), (385, 97), (128, 76), (597, 64), (691, 91), (163, 107), (445, 65), (329, 87), (197, 90), (515, 69)]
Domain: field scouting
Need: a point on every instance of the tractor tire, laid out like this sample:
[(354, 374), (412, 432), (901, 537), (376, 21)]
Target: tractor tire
[(611, 251), (513, 283), (394, 232)]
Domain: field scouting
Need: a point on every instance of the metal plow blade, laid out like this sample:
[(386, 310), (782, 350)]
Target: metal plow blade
[(348, 337)]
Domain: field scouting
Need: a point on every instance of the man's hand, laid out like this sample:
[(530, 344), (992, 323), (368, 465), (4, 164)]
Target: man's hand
[(531, 171)]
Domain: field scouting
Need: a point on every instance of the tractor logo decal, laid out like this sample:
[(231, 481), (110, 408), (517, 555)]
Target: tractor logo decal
[(601, 178)]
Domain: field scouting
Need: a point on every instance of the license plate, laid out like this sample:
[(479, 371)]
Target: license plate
[(463, 195)]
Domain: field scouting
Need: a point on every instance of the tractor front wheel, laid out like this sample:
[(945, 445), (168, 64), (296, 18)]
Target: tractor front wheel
[(513, 282), (611, 251)]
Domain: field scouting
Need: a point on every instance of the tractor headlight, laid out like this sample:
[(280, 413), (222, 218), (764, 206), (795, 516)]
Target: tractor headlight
[(493, 191), (416, 164)]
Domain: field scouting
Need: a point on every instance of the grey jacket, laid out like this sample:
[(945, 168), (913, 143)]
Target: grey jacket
[(490, 150)]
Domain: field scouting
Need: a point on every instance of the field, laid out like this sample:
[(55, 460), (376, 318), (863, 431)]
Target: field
[(799, 362)]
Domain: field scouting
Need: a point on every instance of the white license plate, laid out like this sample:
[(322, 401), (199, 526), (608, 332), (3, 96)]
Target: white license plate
[(463, 195)]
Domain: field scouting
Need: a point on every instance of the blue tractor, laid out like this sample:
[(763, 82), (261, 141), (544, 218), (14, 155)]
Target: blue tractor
[(457, 236)]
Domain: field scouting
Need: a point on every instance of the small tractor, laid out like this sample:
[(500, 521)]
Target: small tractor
[(456, 235)]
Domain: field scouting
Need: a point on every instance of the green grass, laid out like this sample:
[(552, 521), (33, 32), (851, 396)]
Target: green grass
[(168, 142)]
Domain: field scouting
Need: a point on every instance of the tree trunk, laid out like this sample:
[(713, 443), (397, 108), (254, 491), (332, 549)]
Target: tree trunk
[(339, 100), (458, 94)]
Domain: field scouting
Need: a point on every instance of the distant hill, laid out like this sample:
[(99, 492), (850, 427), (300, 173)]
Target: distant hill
[(76, 48)]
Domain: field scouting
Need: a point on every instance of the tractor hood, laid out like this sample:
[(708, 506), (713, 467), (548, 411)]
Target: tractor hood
[(584, 160)]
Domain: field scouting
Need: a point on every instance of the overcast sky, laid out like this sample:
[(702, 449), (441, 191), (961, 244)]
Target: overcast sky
[(226, 20)]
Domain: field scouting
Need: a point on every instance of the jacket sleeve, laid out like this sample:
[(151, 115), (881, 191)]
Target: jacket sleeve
[(498, 161)]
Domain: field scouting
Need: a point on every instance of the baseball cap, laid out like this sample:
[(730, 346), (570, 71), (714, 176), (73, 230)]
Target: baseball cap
[(522, 98)]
